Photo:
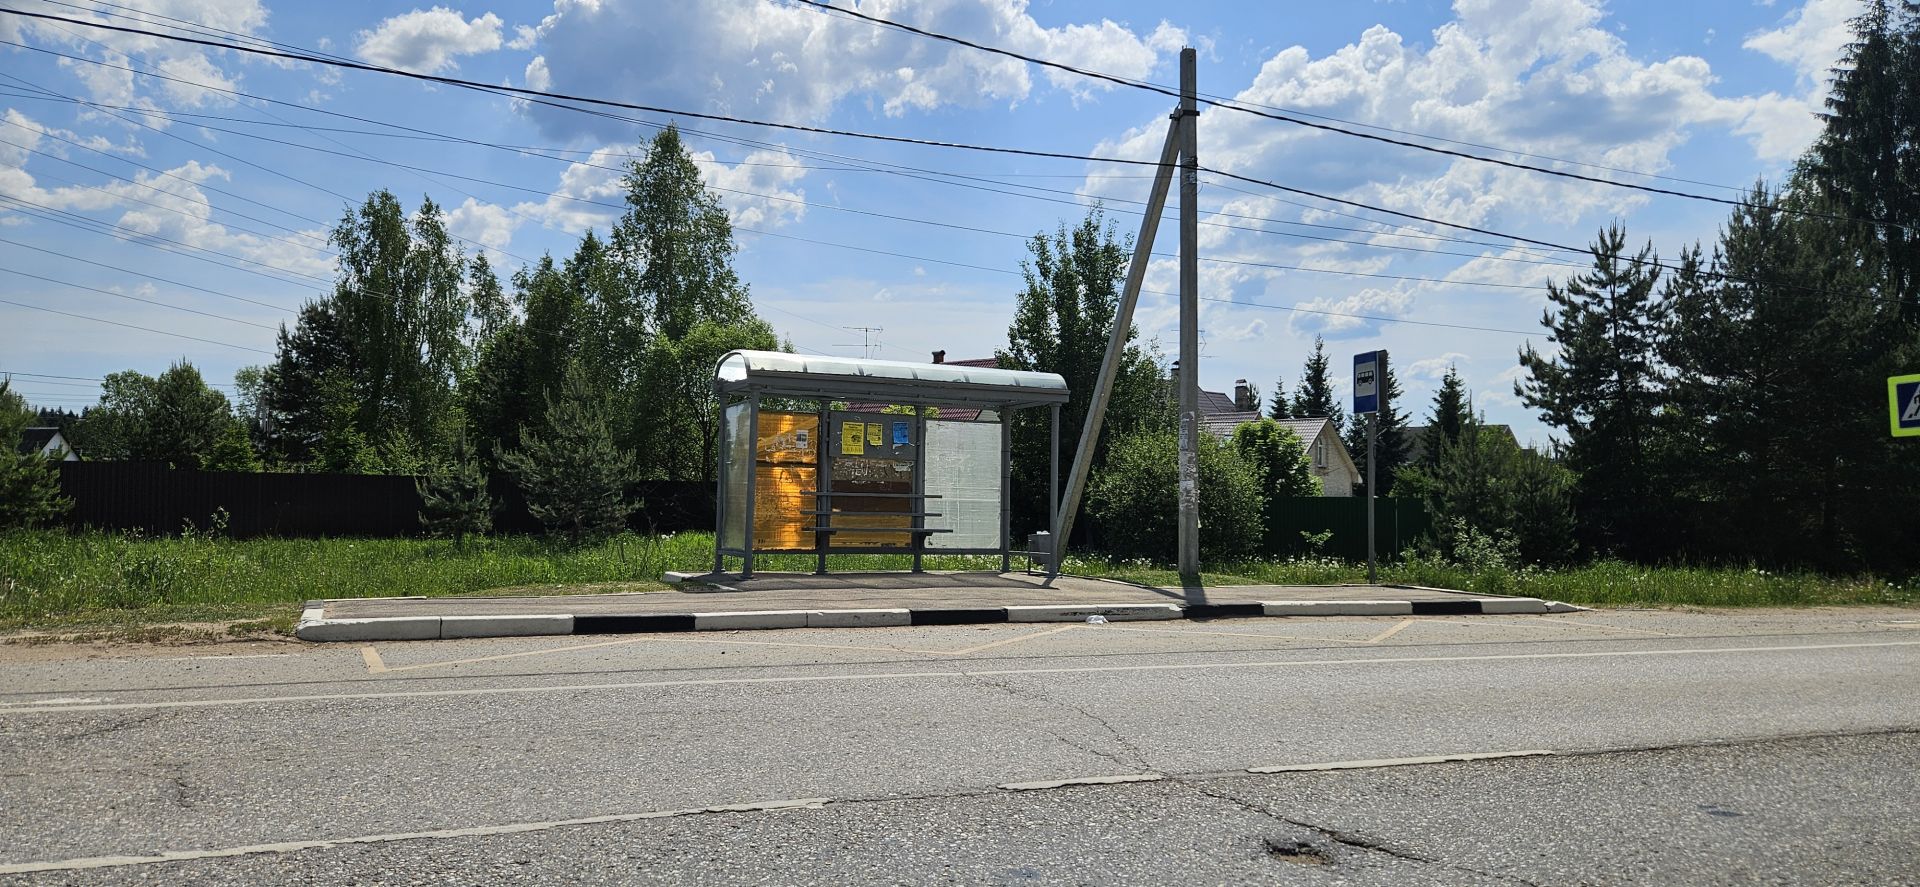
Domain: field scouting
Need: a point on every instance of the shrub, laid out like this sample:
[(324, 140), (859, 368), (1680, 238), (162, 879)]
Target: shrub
[(1134, 499), (454, 502)]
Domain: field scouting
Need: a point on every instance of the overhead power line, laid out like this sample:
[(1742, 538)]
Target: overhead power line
[(132, 326), (1294, 118)]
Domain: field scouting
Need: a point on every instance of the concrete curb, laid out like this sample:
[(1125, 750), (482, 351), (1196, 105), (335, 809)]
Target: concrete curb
[(314, 626)]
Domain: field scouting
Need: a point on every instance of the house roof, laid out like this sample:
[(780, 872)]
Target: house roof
[(35, 440)]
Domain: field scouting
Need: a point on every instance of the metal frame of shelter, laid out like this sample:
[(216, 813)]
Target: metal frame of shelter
[(751, 377)]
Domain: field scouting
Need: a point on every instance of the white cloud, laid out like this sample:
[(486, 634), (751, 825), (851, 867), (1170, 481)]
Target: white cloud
[(483, 223), (184, 61), (524, 37), (793, 64), (428, 41), (758, 191), (1341, 321), (1432, 367), (1811, 38)]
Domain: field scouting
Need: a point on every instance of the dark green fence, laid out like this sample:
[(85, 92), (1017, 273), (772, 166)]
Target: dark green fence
[(1398, 524)]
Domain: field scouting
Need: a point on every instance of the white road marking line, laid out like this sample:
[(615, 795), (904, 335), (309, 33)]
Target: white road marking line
[(96, 862), (1398, 762), (216, 656), (1237, 634), (915, 675), (60, 700), (371, 657), (1081, 780)]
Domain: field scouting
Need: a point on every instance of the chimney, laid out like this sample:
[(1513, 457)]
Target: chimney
[(939, 357), (1242, 396)]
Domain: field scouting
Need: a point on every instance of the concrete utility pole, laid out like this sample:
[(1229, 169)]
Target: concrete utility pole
[(1189, 381)]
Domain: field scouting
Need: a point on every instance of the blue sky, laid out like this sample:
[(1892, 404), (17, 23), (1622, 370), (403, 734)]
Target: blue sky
[(1721, 93)]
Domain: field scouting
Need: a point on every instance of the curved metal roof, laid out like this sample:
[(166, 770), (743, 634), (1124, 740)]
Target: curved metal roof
[(893, 381)]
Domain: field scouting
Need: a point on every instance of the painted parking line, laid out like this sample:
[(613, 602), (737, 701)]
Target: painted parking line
[(947, 674), (375, 665), (1396, 629)]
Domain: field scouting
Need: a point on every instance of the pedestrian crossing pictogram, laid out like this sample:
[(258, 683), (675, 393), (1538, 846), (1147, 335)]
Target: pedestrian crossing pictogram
[(1903, 405)]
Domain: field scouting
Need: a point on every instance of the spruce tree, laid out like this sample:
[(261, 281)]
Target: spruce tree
[(1602, 390), (574, 475), (1450, 413), (454, 501), (1314, 399), (29, 482), (1280, 407)]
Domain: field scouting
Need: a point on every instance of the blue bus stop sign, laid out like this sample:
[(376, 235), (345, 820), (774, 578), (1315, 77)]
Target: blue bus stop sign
[(1368, 366), (1903, 401)]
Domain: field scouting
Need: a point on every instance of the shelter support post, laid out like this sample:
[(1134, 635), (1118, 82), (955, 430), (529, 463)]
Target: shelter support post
[(753, 476), (1006, 490), (919, 483), (1053, 493), (823, 483), (720, 493)]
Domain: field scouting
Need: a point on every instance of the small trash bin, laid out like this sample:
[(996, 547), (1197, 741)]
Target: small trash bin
[(1040, 550)]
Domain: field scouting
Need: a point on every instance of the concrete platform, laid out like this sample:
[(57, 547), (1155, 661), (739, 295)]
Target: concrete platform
[(770, 601)]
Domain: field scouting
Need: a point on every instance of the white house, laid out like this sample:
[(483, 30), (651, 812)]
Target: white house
[(49, 443), (1220, 414)]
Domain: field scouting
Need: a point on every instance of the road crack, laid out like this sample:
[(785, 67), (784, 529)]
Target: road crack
[(1133, 758), (1356, 840)]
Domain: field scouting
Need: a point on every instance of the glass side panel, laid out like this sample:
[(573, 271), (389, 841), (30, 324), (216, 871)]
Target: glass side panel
[(736, 459), (963, 467)]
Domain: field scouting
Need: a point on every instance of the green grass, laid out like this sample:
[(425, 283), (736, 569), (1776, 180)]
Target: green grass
[(108, 583)]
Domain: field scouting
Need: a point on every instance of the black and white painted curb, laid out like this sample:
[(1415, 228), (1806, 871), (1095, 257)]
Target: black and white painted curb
[(314, 626)]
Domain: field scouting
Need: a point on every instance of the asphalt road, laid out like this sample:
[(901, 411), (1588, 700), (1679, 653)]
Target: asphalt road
[(1689, 748)]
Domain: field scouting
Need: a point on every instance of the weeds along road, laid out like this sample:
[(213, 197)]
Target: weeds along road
[(1687, 748)]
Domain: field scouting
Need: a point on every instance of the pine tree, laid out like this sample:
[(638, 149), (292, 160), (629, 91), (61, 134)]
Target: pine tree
[(1602, 390), (1450, 412), (575, 477), (1279, 407), (29, 482), (454, 502), (1314, 398)]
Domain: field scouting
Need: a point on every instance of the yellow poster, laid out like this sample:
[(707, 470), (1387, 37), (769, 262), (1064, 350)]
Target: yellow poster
[(876, 435), (853, 439)]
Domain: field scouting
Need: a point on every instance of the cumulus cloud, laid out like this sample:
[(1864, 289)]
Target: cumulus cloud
[(794, 64), (184, 61), (1432, 367), (759, 191), (483, 223), (1342, 321), (428, 41), (1810, 38)]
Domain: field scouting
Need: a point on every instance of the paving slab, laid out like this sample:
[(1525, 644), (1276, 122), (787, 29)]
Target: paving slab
[(875, 591)]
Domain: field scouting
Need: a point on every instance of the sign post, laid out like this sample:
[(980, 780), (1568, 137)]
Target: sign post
[(1903, 405), (1368, 369)]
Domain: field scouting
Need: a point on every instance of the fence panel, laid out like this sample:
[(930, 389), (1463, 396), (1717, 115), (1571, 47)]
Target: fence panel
[(152, 497), (1398, 524)]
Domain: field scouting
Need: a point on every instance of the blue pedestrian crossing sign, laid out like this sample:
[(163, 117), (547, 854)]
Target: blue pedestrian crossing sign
[(1903, 401)]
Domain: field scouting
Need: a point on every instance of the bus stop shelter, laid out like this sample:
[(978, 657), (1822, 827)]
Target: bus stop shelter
[(829, 455)]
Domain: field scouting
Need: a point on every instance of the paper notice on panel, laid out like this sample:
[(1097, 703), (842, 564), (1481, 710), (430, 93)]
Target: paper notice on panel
[(876, 434), (853, 439)]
